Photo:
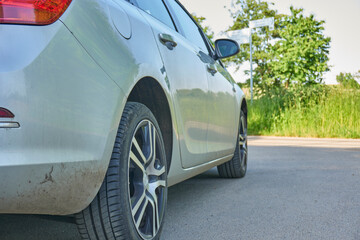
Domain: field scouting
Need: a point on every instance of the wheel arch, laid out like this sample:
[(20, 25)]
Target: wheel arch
[(149, 92)]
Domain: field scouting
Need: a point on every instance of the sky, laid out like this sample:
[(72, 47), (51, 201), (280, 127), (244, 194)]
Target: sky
[(342, 19)]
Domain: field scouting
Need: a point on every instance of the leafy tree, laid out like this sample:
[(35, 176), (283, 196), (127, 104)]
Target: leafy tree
[(296, 52), (301, 54), (348, 80)]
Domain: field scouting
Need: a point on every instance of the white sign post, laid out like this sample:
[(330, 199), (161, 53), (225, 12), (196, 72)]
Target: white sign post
[(266, 22), (240, 36), (262, 23), (244, 36)]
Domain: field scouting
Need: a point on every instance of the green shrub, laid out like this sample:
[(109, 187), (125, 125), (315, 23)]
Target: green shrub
[(307, 111), (348, 80)]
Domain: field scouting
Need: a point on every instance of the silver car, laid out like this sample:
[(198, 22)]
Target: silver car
[(104, 104)]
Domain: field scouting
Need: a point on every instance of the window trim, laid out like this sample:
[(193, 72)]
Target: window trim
[(135, 3), (181, 31)]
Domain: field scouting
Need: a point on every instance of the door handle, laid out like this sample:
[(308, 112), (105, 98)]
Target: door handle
[(211, 69), (167, 40)]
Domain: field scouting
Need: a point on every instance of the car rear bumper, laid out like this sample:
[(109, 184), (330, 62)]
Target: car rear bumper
[(68, 110)]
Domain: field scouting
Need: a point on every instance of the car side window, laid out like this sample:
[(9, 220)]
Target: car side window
[(189, 28), (157, 9)]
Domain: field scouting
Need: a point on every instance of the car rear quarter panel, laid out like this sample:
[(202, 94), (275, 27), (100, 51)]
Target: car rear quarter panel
[(68, 110)]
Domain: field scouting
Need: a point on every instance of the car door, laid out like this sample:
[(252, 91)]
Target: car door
[(222, 121), (222, 129), (187, 79)]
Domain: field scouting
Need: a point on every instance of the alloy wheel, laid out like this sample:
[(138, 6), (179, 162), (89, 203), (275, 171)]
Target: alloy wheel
[(243, 140), (147, 180)]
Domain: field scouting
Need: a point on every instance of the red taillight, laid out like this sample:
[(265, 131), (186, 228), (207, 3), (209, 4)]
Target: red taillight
[(37, 12), (4, 113)]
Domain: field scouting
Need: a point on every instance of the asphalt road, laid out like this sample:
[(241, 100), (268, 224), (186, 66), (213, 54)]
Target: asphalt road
[(294, 189)]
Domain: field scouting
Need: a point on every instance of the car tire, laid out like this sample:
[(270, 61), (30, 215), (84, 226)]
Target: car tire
[(237, 166), (132, 199)]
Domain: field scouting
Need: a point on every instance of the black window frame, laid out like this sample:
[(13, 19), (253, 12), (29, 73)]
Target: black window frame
[(180, 29), (135, 3)]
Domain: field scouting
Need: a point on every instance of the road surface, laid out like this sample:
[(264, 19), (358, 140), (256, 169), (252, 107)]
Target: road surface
[(295, 188)]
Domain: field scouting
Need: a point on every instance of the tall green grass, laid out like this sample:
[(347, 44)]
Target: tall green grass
[(332, 112)]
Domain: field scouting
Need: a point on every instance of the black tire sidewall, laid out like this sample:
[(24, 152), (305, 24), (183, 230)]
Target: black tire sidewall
[(129, 124)]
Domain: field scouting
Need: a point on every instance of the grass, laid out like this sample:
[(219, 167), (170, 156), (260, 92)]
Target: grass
[(332, 112)]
